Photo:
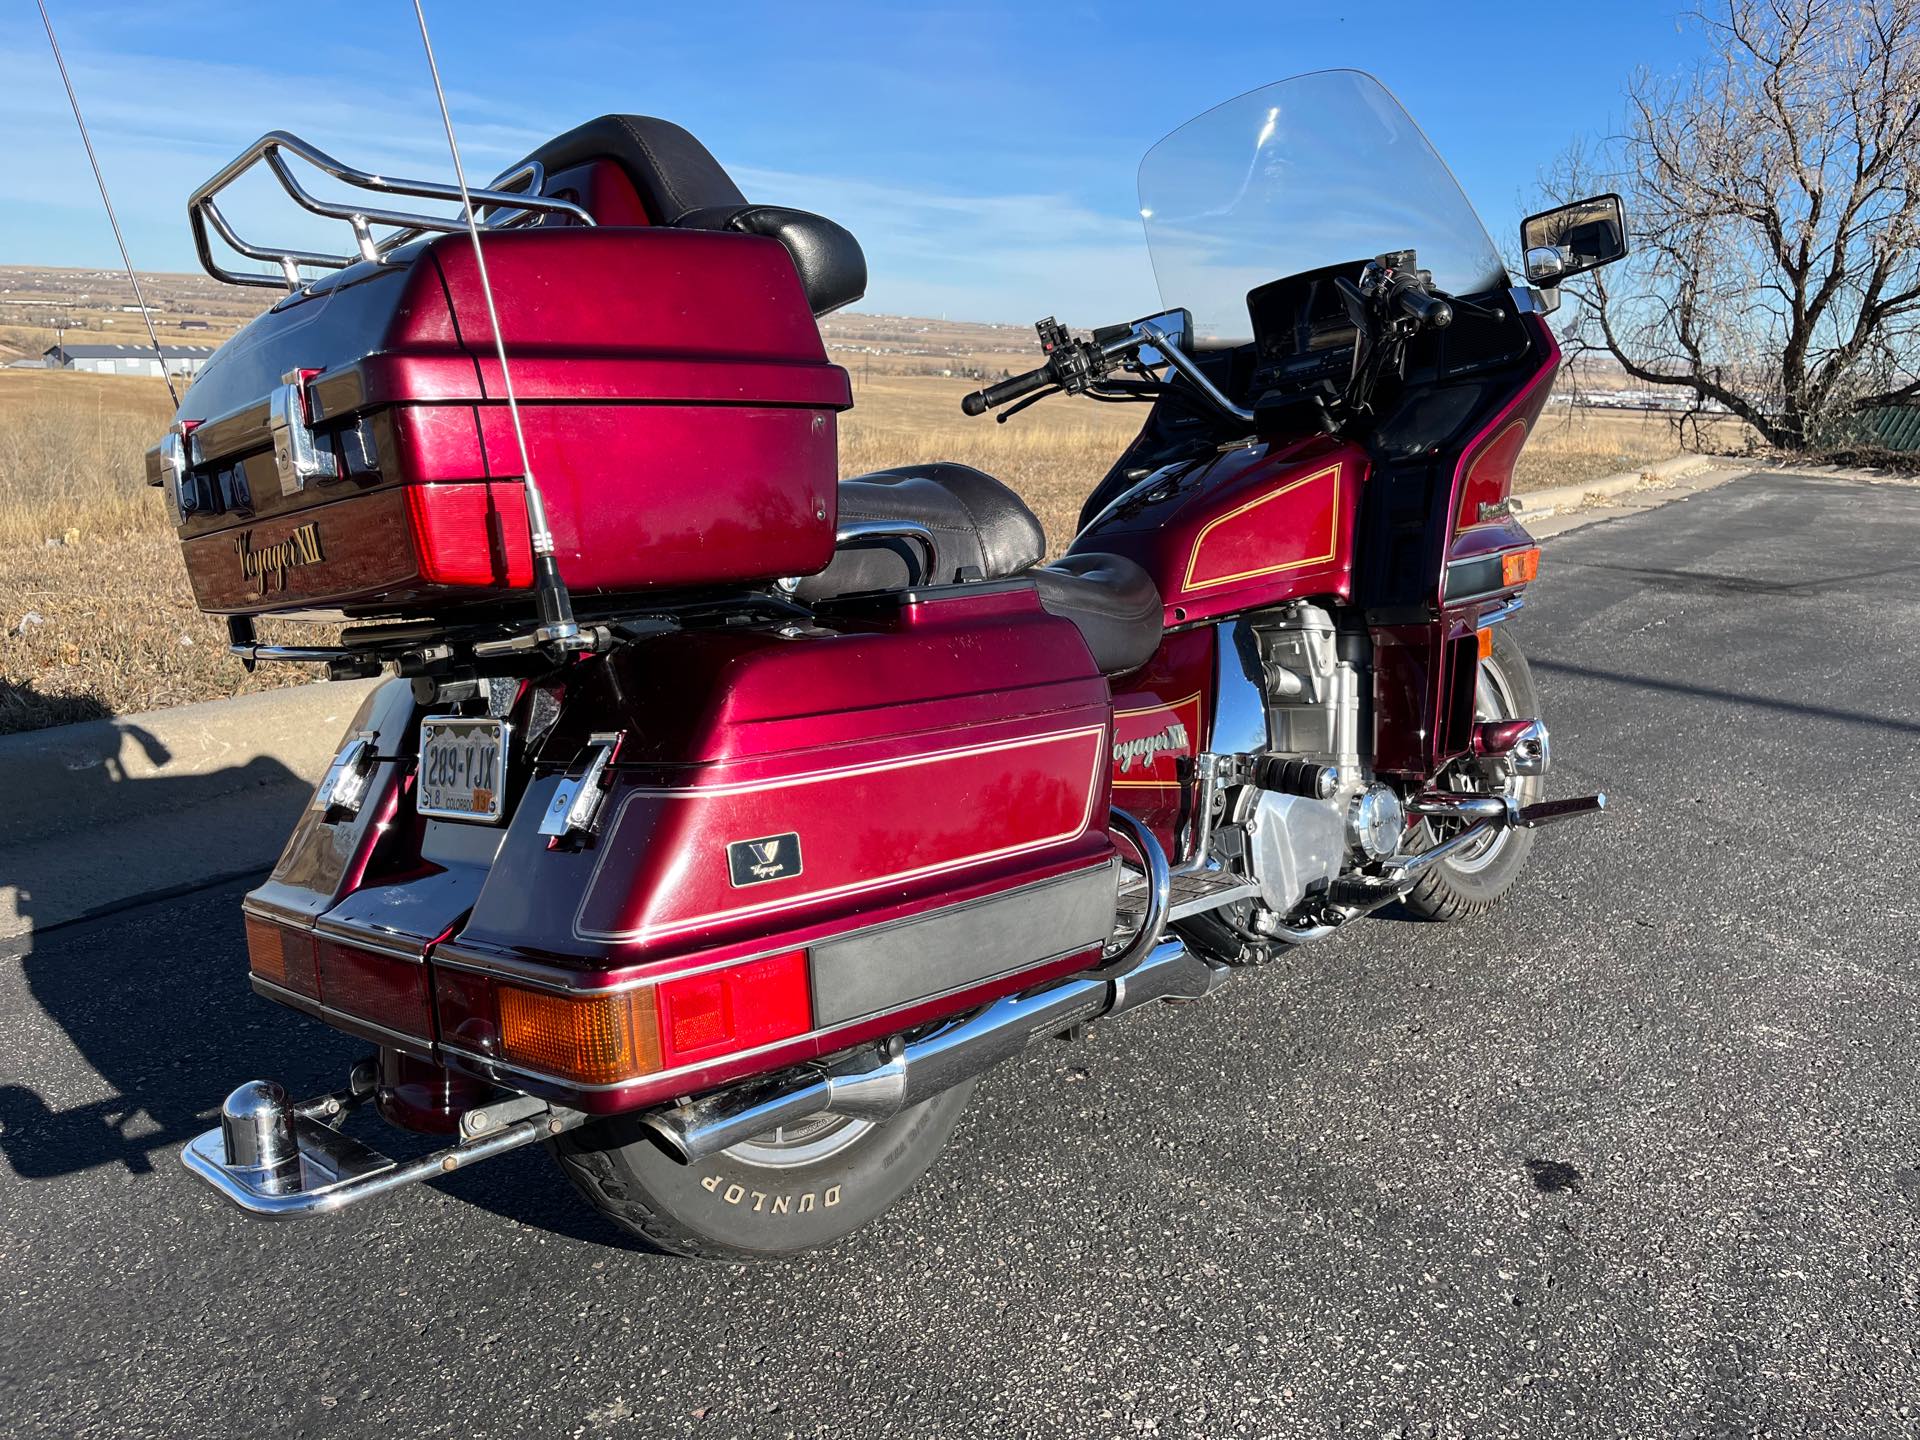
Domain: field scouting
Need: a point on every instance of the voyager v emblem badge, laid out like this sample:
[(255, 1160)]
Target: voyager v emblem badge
[(771, 857), (269, 563)]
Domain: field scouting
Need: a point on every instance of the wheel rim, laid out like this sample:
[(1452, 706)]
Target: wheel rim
[(1492, 701), (805, 1142)]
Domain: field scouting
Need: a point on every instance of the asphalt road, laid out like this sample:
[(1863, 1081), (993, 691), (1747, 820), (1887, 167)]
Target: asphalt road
[(1636, 1156)]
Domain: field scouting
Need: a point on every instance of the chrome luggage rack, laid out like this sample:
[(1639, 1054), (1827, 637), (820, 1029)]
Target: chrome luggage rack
[(514, 197)]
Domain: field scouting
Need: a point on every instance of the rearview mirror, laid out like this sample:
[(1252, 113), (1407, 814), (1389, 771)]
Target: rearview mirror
[(1571, 239), (1176, 325)]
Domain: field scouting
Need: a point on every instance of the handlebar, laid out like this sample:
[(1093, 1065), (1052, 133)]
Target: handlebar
[(1392, 291), (981, 401), (1429, 310)]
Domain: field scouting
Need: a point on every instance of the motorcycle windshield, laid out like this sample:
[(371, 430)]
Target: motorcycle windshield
[(1309, 172)]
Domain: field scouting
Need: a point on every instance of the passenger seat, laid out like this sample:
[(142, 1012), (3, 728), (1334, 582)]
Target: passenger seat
[(983, 531)]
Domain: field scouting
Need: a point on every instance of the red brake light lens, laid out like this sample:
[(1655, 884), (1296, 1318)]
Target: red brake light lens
[(389, 991), (617, 1036), (738, 1007)]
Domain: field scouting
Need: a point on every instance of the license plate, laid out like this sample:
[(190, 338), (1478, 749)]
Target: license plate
[(463, 767)]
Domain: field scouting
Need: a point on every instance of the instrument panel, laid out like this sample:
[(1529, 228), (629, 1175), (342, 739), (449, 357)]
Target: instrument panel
[(1302, 332)]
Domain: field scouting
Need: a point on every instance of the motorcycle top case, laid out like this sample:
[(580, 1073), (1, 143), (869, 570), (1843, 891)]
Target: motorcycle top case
[(351, 450)]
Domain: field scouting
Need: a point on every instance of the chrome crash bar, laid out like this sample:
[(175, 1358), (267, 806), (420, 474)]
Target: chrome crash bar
[(514, 197)]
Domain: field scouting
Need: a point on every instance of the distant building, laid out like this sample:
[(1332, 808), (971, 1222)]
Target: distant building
[(127, 359)]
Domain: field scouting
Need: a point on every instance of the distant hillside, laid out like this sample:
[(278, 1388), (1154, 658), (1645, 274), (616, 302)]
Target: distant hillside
[(38, 303)]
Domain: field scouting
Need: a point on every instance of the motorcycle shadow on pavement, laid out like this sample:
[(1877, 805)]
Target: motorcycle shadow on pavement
[(149, 991), (151, 996)]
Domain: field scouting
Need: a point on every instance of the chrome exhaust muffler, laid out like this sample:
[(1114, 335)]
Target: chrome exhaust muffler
[(906, 1073)]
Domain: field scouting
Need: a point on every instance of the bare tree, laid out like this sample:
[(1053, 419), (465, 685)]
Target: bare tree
[(1774, 198)]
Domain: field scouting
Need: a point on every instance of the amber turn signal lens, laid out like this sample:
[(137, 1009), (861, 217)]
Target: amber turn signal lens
[(282, 956), (594, 1040), (1486, 643), (1520, 567)]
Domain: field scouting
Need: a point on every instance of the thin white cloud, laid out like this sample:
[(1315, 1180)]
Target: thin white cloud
[(161, 131)]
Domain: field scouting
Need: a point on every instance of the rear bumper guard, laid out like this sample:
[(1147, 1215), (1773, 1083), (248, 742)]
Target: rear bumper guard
[(280, 1159)]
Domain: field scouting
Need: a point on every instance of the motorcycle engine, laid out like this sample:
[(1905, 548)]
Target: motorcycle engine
[(1317, 683)]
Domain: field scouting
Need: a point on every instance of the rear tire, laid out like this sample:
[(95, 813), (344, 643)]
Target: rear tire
[(802, 1188), (1477, 881)]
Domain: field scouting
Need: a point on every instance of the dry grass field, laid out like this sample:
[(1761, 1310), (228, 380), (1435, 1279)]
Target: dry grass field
[(96, 617)]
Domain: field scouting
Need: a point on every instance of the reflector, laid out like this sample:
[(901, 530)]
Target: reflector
[(740, 1007), (1519, 567)]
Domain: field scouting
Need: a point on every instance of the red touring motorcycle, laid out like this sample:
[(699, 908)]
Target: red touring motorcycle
[(722, 821)]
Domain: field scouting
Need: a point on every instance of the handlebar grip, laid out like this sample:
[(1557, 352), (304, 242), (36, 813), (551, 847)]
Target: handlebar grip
[(1429, 310), (981, 401)]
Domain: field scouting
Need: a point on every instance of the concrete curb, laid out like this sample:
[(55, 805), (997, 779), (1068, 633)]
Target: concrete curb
[(1538, 504), (75, 777)]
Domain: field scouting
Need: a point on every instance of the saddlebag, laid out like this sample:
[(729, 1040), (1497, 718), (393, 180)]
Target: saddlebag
[(790, 840)]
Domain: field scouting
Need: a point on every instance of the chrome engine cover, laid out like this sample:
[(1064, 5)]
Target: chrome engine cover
[(1376, 820), (1293, 845)]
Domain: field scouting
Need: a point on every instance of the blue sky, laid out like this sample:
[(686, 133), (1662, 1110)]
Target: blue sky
[(983, 153)]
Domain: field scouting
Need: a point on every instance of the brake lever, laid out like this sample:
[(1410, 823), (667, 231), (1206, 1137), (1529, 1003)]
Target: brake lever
[(1014, 409)]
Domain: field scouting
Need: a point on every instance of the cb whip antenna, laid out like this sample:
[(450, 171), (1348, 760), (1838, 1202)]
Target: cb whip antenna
[(557, 625), (107, 200)]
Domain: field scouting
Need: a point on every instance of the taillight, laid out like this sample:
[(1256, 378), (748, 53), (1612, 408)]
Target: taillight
[(389, 991), (282, 956), (739, 1007), (623, 1035)]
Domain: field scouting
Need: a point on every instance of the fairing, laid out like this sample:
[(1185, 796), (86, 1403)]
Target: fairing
[(1247, 526)]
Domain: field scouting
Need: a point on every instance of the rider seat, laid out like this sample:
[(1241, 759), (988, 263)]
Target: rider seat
[(983, 531)]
